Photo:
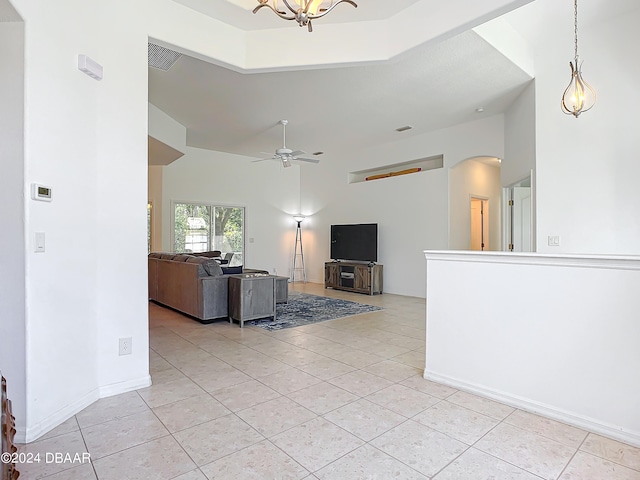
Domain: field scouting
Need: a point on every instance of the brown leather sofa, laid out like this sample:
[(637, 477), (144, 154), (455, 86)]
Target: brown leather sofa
[(195, 285)]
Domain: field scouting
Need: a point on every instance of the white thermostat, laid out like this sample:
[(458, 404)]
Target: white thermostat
[(40, 192)]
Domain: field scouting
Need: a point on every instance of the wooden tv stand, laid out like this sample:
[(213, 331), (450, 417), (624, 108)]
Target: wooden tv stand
[(353, 277)]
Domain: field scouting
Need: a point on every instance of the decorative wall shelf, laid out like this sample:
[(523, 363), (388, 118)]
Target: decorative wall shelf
[(397, 169)]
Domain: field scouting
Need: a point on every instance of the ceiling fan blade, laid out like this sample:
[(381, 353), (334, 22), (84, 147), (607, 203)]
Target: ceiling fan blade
[(266, 153), (261, 160), (310, 160), (297, 152)]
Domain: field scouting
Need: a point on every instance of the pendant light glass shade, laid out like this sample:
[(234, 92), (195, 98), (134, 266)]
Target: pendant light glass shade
[(312, 6), (579, 96)]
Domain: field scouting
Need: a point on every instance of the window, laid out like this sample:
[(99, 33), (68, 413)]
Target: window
[(201, 228)]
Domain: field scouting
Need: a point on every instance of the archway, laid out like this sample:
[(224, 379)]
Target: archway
[(475, 178)]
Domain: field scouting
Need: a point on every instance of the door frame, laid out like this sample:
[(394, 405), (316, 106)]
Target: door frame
[(506, 211), (485, 234)]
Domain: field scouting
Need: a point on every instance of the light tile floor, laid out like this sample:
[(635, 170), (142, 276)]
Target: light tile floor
[(343, 399)]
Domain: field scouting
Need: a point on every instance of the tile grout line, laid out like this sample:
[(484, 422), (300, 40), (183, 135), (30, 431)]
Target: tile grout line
[(604, 458), (356, 333), (502, 459), (573, 456)]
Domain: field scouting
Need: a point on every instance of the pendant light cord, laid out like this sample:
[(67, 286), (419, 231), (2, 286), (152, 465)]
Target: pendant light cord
[(575, 28)]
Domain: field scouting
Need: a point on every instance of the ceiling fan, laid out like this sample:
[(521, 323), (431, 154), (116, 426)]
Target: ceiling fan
[(286, 155)]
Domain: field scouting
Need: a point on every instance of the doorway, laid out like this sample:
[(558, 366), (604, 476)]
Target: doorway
[(479, 224), (519, 216)]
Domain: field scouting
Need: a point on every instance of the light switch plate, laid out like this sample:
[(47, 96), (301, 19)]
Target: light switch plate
[(554, 240), (39, 242)]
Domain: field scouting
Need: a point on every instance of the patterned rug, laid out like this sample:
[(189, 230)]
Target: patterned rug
[(305, 309)]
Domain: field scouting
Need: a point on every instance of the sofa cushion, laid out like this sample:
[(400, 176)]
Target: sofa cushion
[(155, 255), (193, 259), (232, 270), (167, 256), (213, 268), (208, 267), (200, 261), (183, 257)]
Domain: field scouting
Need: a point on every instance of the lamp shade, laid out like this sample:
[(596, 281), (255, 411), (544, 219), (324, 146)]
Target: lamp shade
[(298, 218)]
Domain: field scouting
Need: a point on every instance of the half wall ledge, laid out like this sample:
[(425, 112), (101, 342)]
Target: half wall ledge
[(551, 334)]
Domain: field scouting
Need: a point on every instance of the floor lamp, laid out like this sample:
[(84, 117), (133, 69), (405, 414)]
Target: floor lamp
[(298, 256)]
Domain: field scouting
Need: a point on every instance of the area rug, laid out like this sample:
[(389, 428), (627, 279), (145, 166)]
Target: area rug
[(305, 309)]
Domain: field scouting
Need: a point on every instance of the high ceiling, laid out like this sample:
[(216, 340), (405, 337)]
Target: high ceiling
[(238, 12), (335, 109), (339, 108), (8, 13)]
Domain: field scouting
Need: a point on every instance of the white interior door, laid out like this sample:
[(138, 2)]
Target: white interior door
[(521, 219)]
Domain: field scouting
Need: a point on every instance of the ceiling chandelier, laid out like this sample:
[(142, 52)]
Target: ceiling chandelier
[(302, 11), (579, 96)]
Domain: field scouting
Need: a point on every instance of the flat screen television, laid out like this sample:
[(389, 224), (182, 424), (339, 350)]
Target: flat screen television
[(357, 242)]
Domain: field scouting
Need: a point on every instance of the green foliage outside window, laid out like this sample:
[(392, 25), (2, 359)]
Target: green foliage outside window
[(192, 229)]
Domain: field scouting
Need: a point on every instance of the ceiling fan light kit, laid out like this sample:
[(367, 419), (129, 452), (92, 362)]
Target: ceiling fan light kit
[(302, 11)]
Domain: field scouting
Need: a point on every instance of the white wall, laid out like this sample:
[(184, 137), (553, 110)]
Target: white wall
[(572, 357), (163, 127), (122, 148), (269, 193), (12, 199), (468, 179), (411, 210), (519, 138), (155, 197), (87, 140), (587, 168)]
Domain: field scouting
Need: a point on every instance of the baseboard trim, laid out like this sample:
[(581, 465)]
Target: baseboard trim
[(571, 418), (124, 387), (34, 432)]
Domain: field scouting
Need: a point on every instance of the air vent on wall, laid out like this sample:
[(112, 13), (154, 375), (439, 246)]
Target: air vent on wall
[(162, 58)]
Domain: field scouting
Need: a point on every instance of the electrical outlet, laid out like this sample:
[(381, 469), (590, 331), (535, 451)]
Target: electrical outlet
[(125, 346), (553, 240)]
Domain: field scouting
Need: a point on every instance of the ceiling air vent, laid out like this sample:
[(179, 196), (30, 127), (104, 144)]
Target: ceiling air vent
[(162, 58)]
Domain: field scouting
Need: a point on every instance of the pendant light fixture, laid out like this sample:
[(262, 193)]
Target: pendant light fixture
[(302, 11), (579, 96)]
